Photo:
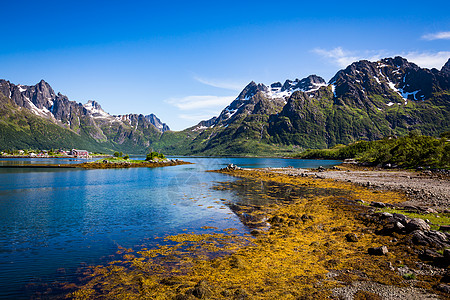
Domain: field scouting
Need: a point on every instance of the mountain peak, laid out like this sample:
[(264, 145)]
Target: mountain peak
[(307, 85), (446, 68), (95, 109), (251, 89), (155, 121), (399, 62)]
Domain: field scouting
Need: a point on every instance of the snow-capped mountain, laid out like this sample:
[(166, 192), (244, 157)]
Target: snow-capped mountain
[(84, 119), (365, 101)]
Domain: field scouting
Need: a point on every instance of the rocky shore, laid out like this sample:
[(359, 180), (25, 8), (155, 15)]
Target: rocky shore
[(426, 193), (424, 189), (314, 238), (105, 164)]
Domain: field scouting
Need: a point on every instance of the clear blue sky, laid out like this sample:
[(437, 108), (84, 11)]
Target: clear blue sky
[(186, 60)]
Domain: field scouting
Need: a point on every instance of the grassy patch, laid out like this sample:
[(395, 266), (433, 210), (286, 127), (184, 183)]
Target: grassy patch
[(409, 276), (436, 219), (119, 160)]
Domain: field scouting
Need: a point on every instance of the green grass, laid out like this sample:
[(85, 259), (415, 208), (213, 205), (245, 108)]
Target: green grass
[(409, 276), (120, 160), (436, 219)]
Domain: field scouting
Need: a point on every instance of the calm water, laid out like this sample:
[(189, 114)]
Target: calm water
[(52, 221)]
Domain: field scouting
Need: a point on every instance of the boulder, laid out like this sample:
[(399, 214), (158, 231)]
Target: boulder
[(417, 224), (377, 204), (444, 228), (398, 227), (445, 288), (400, 218), (428, 254), (231, 167), (383, 250), (386, 215), (430, 238)]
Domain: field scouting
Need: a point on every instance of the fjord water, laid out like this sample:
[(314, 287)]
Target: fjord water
[(53, 221)]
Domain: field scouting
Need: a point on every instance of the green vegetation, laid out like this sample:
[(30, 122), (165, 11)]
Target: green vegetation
[(409, 276), (118, 154), (155, 156), (119, 160), (411, 151), (436, 220)]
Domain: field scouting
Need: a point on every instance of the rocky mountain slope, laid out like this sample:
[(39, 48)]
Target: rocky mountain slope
[(365, 101), (88, 125)]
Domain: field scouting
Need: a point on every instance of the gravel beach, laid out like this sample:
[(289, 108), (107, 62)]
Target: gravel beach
[(424, 189)]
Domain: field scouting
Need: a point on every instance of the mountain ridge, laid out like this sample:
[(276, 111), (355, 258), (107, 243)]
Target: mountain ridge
[(125, 132), (366, 100)]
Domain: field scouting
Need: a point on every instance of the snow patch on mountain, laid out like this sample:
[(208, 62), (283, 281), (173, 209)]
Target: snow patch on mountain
[(43, 112), (199, 128), (333, 89), (96, 110), (276, 91)]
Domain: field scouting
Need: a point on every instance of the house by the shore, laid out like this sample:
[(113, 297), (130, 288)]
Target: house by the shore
[(79, 153)]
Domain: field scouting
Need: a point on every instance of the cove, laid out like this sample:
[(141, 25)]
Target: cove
[(54, 221)]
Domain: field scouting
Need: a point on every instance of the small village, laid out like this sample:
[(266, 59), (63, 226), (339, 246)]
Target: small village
[(47, 153)]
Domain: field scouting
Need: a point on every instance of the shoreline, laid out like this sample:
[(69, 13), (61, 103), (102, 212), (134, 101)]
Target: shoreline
[(49, 156), (424, 189), (321, 242), (102, 165)]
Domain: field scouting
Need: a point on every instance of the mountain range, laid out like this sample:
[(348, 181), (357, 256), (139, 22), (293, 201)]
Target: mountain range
[(365, 101)]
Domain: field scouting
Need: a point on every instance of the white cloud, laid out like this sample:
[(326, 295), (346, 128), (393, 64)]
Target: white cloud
[(428, 60), (200, 102), (223, 84), (343, 58), (196, 117), (443, 35)]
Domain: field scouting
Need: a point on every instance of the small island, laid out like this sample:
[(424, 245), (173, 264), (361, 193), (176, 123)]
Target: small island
[(118, 160), (152, 160)]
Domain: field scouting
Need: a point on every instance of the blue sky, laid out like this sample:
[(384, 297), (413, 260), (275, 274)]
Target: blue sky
[(185, 61)]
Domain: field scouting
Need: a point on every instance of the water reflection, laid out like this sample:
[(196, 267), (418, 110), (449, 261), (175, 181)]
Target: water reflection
[(254, 198), (61, 219)]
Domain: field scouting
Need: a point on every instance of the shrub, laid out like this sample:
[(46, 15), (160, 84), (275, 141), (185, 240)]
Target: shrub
[(409, 276), (153, 155)]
